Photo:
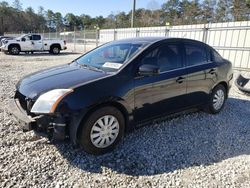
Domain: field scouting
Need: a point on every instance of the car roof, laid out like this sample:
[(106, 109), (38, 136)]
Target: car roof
[(151, 40)]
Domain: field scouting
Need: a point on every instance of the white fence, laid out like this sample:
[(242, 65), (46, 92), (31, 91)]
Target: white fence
[(231, 39)]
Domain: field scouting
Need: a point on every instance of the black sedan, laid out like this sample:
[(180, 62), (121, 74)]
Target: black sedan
[(112, 89)]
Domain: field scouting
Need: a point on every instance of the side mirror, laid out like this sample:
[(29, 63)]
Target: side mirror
[(148, 70), (23, 39)]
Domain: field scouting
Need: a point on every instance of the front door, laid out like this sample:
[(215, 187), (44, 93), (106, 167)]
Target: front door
[(163, 93), (26, 43)]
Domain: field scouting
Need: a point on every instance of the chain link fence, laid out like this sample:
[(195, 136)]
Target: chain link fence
[(77, 41)]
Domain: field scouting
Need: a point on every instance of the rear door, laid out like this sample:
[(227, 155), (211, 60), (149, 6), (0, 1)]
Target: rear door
[(202, 72), (163, 93), (37, 44)]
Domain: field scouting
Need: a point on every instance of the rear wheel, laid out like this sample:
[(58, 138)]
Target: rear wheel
[(14, 50), (55, 50), (102, 131), (217, 99)]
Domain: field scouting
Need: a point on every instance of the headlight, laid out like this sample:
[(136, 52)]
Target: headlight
[(5, 42), (48, 102)]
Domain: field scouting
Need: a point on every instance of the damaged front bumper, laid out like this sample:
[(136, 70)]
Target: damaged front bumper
[(54, 126), (27, 122)]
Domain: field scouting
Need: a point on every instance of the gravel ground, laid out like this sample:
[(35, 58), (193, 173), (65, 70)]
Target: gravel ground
[(193, 150)]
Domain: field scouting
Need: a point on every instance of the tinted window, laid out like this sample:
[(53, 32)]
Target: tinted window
[(167, 57), (36, 37), (216, 56), (195, 54)]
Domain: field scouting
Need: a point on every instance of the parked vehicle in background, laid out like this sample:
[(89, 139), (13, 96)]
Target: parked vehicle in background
[(33, 43), (2, 38), (98, 97)]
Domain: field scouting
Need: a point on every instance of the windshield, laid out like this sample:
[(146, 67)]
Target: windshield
[(21, 36), (110, 57)]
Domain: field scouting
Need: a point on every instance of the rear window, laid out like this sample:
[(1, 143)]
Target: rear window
[(36, 37), (195, 54)]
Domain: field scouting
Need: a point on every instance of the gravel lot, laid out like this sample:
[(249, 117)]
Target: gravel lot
[(194, 150)]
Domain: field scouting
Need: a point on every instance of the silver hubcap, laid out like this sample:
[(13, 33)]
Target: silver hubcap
[(14, 50), (218, 99), (105, 131), (55, 50)]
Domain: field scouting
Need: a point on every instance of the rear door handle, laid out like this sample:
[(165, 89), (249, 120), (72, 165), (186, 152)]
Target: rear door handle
[(212, 71), (180, 80)]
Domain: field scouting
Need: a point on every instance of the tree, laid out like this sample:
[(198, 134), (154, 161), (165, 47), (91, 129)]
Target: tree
[(14, 19), (50, 20), (190, 12), (171, 11), (58, 21), (17, 5), (208, 11), (223, 11), (122, 20), (240, 10), (41, 11), (73, 22)]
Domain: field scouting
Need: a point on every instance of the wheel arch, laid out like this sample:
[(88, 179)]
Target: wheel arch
[(14, 44), (119, 106), (224, 84), (55, 44)]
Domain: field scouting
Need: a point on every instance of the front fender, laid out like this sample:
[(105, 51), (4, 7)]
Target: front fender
[(78, 117)]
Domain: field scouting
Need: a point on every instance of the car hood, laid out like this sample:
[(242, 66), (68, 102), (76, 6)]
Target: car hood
[(60, 77), (11, 40)]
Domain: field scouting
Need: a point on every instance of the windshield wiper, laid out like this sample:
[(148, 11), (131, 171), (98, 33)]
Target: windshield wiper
[(92, 67)]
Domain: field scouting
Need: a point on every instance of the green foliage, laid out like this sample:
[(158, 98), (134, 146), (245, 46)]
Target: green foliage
[(13, 18)]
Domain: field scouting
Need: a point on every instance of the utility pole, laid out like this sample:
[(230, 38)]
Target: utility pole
[(133, 14), (1, 26)]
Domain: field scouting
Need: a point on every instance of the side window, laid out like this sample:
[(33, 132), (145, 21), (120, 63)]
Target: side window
[(216, 56), (167, 57), (36, 37), (195, 54)]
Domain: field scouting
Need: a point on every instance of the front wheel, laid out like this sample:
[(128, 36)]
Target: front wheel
[(217, 99), (14, 50), (102, 131)]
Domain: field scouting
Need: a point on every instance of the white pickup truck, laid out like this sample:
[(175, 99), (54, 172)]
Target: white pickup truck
[(32, 43)]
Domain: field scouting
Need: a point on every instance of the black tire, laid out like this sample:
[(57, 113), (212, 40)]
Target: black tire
[(14, 50), (86, 130), (211, 108), (55, 50)]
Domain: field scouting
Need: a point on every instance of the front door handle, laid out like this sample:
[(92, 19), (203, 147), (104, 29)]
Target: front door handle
[(180, 80), (212, 71)]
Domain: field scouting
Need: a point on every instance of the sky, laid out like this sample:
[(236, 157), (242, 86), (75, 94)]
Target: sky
[(90, 7)]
